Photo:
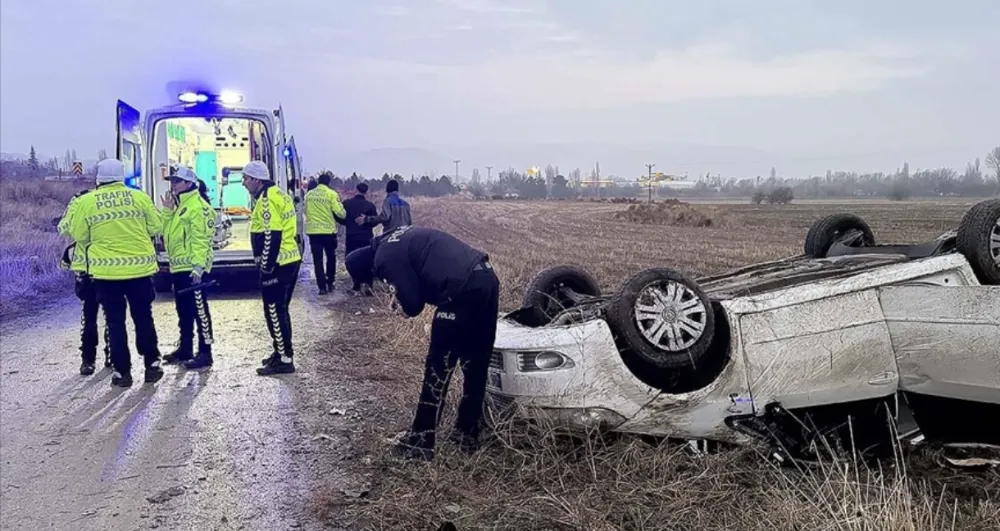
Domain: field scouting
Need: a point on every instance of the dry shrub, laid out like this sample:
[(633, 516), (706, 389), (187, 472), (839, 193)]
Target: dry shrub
[(31, 247), (672, 212)]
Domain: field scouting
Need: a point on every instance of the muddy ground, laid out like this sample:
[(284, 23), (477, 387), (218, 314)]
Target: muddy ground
[(220, 448)]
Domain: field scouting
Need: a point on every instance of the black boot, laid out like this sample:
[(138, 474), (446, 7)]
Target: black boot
[(277, 367), (270, 359), (180, 355), (153, 374), (408, 448), (87, 368), (121, 380), (466, 443), (203, 359)]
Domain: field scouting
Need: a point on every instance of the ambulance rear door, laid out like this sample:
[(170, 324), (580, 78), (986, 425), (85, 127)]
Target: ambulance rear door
[(129, 144)]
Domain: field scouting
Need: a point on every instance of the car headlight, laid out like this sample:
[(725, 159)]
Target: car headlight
[(546, 360)]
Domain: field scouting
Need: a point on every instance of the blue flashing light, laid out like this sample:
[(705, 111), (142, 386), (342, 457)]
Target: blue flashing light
[(192, 97), (288, 153)]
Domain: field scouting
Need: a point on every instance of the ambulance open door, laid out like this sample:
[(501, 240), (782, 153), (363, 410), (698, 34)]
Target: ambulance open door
[(128, 145)]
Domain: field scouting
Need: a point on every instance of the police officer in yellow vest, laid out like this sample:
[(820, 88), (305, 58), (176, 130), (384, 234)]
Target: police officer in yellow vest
[(84, 289), (273, 227), (188, 231), (114, 226), (322, 207)]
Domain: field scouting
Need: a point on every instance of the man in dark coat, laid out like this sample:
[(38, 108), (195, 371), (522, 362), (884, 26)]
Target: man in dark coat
[(358, 235), (429, 266)]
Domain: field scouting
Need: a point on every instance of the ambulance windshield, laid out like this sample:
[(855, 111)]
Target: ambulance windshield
[(216, 149)]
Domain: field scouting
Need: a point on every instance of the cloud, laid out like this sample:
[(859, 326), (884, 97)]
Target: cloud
[(394, 11), (592, 78), (485, 6)]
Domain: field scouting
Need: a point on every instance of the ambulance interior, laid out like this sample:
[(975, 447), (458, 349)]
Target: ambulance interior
[(216, 149)]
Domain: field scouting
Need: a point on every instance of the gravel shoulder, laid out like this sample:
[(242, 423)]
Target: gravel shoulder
[(216, 449)]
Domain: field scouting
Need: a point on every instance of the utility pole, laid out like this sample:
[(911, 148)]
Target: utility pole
[(456, 161), (649, 184), (489, 171)]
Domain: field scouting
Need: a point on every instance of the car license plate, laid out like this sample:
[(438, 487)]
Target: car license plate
[(495, 380)]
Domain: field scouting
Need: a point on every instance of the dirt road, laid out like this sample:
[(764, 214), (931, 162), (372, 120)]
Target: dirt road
[(221, 448)]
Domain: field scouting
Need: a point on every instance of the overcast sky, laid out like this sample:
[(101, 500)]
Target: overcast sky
[(846, 84)]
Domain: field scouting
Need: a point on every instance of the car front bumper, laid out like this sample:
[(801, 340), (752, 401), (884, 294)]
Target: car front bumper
[(591, 388)]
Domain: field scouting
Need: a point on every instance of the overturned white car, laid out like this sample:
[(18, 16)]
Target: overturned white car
[(782, 351)]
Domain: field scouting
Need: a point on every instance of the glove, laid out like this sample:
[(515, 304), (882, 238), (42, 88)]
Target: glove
[(196, 276)]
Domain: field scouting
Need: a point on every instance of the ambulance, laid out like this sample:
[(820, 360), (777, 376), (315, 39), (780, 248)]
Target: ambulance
[(216, 136)]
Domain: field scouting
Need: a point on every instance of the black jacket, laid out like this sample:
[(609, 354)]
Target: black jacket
[(426, 266), (358, 206)]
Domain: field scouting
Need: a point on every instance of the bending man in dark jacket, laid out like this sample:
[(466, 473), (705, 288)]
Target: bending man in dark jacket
[(428, 266)]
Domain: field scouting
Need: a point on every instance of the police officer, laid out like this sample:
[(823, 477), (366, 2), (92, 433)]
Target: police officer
[(188, 231), (322, 207), (428, 266), (114, 226), (84, 289), (273, 226)]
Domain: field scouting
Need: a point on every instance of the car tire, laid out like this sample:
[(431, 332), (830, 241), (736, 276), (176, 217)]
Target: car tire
[(827, 231), (543, 293), (686, 303), (979, 240)]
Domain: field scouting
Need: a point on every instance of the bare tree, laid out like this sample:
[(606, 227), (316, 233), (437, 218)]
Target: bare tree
[(68, 160), (102, 154), (993, 162), (550, 176), (574, 176), (475, 175)]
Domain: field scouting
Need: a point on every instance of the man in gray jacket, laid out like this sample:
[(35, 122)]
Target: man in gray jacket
[(395, 210)]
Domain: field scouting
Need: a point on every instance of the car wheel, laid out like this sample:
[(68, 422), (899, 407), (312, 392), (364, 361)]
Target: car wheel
[(664, 318), (979, 240), (837, 227), (557, 288)]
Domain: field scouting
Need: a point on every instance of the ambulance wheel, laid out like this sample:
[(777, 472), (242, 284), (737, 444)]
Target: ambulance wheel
[(162, 283)]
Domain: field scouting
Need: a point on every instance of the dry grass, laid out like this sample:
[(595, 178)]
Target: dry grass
[(538, 479), (31, 247)]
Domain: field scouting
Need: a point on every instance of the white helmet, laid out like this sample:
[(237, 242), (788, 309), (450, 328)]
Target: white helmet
[(185, 174), (257, 170), (110, 170)]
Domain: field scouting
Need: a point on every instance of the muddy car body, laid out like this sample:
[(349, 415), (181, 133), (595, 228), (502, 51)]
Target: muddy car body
[(848, 329)]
